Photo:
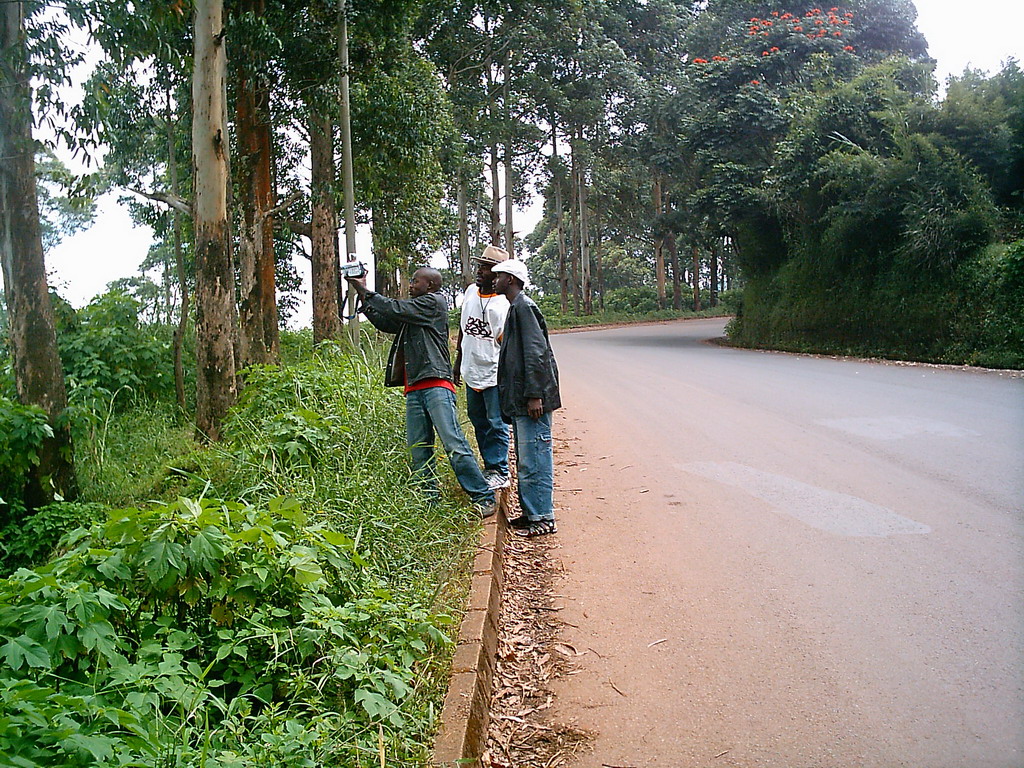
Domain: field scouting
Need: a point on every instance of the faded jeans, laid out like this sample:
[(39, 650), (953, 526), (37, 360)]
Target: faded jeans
[(535, 462), (433, 410), (484, 411)]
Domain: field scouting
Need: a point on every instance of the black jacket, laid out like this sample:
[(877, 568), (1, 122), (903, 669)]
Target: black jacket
[(420, 349), (526, 364)]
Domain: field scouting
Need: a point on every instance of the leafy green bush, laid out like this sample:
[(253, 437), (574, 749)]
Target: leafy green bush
[(22, 431), (32, 539), (106, 350), (989, 327), (631, 300), (202, 633)]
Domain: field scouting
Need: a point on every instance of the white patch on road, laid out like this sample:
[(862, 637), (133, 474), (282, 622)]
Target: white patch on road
[(826, 510), (895, 427)]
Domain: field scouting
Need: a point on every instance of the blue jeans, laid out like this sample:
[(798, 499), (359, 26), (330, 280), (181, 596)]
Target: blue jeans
[(535, 462), (433, 410), (484, 412)]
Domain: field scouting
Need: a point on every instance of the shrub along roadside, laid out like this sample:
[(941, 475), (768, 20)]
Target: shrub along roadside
[(973, 316), (329, 568), (632, 306)]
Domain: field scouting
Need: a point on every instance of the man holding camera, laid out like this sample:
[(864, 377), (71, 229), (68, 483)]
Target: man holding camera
[(476, 362), (419, 361), (528, 393)]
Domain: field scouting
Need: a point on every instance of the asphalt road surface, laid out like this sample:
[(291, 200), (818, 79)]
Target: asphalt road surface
[(786, 560)]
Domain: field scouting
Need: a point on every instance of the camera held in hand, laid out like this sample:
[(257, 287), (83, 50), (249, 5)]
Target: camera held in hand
[(353, 270)]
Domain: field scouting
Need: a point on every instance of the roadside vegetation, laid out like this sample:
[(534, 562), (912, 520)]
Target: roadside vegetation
[(284, 597), (633, 305), (276, 592)]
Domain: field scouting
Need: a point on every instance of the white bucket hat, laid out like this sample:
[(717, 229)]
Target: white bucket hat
[(514, 267)]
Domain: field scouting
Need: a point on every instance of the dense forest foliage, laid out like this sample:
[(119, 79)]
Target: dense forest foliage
[(795, 165)]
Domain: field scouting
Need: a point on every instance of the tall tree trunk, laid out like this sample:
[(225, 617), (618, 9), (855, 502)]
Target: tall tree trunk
[(326, 320), (465, 263), (588, 304), (478, 209), (215, 276), (556, 178), (510, 234), (574, 225), (713, 280), (259, 334), (598, 256), (495, 199), (677, 278), (659, 253), (166, 279), (178, 341), (696, 279), (38, 375)]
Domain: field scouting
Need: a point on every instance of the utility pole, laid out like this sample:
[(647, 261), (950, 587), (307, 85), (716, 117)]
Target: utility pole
[(347, 174)]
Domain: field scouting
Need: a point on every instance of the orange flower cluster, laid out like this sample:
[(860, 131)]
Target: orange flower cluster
[(713, 58), (814, 24)]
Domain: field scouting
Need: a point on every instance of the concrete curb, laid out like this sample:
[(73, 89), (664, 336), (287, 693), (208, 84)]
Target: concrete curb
[(464, 718)]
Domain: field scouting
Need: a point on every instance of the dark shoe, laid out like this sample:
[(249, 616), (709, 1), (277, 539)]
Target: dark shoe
[(485, 508), (519, 522), (536, 528)]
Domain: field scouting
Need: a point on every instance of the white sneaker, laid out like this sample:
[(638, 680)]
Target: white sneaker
[(496, 480)]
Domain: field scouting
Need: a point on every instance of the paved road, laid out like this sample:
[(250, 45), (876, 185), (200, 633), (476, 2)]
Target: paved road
[(794, 561)]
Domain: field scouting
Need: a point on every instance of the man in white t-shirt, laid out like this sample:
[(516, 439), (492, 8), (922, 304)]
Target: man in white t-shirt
[(476, 362)]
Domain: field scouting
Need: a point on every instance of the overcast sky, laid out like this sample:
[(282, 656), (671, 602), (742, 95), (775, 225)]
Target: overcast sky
[(981, 34)]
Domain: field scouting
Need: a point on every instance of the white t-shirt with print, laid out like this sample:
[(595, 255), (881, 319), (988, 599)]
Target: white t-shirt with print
[(483, 319)]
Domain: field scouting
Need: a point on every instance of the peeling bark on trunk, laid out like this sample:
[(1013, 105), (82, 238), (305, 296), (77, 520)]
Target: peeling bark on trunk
[(38, 375), (215, 279), (259, 338), (326, 321)]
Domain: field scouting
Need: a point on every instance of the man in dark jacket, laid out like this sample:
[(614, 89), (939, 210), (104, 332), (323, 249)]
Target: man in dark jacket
[(419, 361), (528, 393)]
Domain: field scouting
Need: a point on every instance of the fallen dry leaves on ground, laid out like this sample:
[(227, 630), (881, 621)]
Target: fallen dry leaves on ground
[(530, 654)]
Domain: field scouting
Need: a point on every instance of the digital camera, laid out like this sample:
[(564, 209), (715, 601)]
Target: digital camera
[(353, 269)]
